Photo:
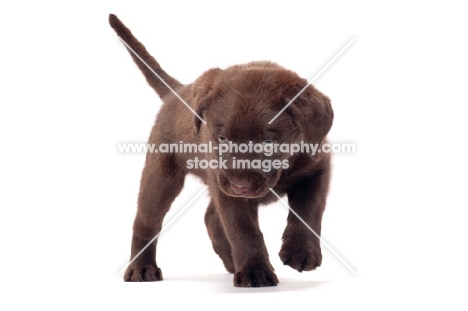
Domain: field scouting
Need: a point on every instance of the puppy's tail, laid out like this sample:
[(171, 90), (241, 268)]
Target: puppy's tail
[(159, 84)]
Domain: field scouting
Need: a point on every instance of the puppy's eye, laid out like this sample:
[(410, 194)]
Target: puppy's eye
[(268, 143), (222, 139)]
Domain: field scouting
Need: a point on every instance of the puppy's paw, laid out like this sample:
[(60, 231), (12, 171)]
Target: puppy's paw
[(142, 272), (255, 278), (300, 256)]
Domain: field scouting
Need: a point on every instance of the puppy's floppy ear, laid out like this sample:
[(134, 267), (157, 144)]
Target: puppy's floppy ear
[(314, 115), (203, 91)]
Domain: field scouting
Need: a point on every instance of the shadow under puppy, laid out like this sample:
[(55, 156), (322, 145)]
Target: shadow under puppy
[(237, 103)]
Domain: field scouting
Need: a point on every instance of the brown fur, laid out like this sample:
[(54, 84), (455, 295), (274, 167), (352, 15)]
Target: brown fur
[(237, 103)]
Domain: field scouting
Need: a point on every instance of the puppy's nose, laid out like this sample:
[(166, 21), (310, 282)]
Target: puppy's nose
[(240, 188)]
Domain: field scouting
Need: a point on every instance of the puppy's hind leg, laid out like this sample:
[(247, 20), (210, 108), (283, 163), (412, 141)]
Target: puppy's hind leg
[(221, 245), (162, 180)]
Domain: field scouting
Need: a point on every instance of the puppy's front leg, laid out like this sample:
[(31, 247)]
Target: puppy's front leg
[(301, 248), (161, 182), (239, 217)]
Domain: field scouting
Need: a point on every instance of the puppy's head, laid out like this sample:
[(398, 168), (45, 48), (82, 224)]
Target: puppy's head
[(238, 103)]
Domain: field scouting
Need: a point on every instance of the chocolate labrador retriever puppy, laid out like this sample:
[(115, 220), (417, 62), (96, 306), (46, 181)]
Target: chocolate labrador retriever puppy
[(237, 104)]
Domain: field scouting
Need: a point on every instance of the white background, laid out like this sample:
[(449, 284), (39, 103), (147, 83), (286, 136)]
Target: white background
[(70, 93)]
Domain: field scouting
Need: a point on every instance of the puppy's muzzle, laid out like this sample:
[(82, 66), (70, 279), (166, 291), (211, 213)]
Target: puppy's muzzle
[(248, 184)]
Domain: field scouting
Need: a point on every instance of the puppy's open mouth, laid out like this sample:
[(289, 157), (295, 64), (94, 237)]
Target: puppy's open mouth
[(242, 188)]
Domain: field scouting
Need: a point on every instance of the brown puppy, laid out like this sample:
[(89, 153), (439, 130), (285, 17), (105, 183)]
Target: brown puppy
[(237, 104)]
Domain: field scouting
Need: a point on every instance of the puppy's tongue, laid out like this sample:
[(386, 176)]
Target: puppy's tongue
[(239, 189)]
